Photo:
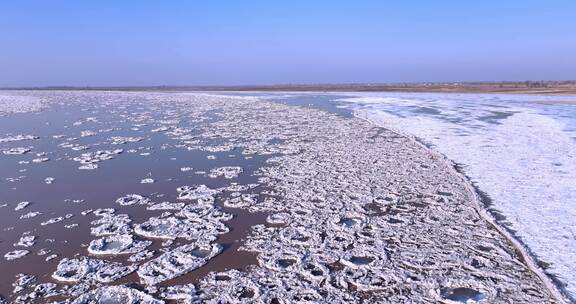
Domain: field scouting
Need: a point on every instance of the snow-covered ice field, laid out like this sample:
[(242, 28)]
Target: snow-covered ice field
[(518, 149)]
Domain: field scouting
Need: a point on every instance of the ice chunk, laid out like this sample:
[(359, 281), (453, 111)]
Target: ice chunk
[(85, 269), (177, 262), (166, 206), (132, 199), (147, 181), (21, 205), (110, 224), (52, 221), (26, 241), (116, 295), (40, 160), (228, 172), (185, 293), (141, 256), (22, 282), (30, 215), (16, 254), (117, 244), (198, 192), (16, 151), (19, 137), (88, 167)]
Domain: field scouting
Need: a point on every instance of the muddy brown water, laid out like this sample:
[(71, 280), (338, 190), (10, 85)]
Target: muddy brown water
[(101, 187)]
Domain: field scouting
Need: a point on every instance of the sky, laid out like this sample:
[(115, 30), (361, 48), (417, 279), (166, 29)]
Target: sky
[(138, 43)]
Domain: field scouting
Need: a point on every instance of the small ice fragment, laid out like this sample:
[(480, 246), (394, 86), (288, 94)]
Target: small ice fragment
[(147, 181), (117, 244), (52, 221), (51, 257), (88, 167), (132, 199), (16, 151), (16, 254), (21, 205), (49, 180), (26, 241), (30, 215), (199, 192), (228, 172), (40, 160)]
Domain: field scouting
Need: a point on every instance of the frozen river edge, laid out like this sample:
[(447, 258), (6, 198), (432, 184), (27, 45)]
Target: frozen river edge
[(491, 215), (363, 214)]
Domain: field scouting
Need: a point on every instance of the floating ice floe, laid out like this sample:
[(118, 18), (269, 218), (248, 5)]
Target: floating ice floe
[(19, 137), (172, 227), (110, 224), (49, 180), (147, 181), (52, 221), (90, 270), (88, 160), (21, 205), (186, 169), (40, 160), (201, 192), (117, 244), (177, 262), (228, 172), (131, 199), (51, 257), (241, 200), (166, 206), (16, 151), (16, 254), (184, 293), (88, 167), (30, 215), (116, 295), (22, 282), (87, 133), (119, 140), (26, 241)]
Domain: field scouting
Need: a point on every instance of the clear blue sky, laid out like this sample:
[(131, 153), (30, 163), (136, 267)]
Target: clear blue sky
[(264, 42)]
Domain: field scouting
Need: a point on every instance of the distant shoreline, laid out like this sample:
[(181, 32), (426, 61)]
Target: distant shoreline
[(528, 87)]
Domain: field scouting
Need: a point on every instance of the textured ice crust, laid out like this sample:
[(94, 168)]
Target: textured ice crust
[(90, 270), (177, 262), (116, 295)]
